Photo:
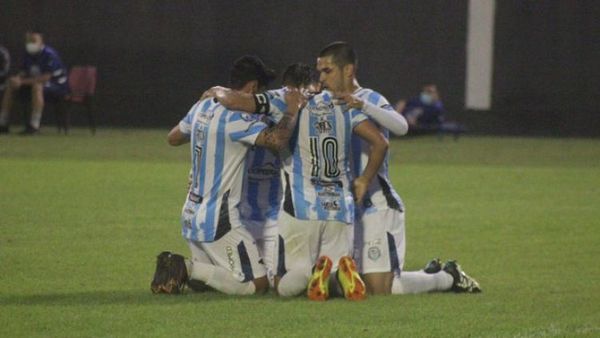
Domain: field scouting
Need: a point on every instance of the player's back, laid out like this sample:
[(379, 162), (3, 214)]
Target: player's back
[(381, 193), (219, 141), (261, 193)]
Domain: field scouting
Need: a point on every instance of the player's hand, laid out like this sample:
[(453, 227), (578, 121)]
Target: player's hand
[(360, 187), (15, 82), (295, 101), (350, 100)]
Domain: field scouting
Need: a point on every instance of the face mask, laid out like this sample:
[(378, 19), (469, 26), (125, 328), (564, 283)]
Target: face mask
[(32, 48), (426, 98)]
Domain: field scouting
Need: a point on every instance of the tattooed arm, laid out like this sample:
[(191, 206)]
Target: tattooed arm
[(276, 138)]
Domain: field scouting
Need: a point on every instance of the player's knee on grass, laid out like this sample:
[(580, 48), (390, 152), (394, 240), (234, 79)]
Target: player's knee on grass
[(379, 283), (261, 285)]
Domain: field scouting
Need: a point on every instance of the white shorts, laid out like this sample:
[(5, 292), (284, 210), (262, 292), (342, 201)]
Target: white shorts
[(265, 234), (302, 242), (235, 251), (379, 241)]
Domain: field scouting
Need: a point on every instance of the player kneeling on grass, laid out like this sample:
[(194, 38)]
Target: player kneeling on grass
[(224, 254), (379, 234)]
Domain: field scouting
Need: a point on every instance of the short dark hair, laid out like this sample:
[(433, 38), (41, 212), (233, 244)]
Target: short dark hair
[(34, 30), (249, 68), (341, 52), (298, 75)]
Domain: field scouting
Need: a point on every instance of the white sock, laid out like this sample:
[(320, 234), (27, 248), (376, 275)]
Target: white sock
[(36, 118), (220, 279), (420, 282), (4, 118), (293, 283)]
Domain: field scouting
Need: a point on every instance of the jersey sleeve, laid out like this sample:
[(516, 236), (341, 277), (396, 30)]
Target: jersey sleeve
[(185, 125), (377, 107), (245, 128), (277, 105), (356, 117), (52, 65)]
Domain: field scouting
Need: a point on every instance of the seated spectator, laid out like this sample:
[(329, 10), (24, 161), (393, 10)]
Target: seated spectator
[(426, 110), (426, 113), (42, 77)]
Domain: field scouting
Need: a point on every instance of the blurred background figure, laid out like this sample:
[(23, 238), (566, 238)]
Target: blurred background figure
[(42, 77), (426, 110), (425, 113), (4, 67)]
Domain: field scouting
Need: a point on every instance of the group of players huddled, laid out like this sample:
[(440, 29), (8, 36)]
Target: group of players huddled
[(290, 186)]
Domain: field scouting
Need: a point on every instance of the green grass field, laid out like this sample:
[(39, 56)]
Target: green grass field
[(82, 218)]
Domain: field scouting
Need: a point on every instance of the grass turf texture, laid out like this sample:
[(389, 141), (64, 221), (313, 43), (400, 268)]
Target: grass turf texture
[(82, 219)]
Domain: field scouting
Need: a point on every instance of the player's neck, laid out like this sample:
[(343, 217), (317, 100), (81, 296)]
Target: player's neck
[(354, 86)]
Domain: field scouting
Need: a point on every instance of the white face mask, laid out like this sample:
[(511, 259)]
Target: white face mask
[(426, 98), (33, 48)]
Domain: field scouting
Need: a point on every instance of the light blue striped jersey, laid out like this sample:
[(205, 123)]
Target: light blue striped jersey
[(381, 194), (317, 178), (261, 193), (219, 140)]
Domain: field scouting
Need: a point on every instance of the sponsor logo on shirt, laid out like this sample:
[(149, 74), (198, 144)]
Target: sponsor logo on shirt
[(266, 171), (329, 191), (321, 108)]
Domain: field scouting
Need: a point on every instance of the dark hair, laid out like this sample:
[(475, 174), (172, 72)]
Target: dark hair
[(298, 75), (34, 30), (341, 52), (248, 68)]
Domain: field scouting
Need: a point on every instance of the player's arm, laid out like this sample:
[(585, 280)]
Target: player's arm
[(386, 117), (176, 137), (276, 138), (180, 134), (235, 100), (378, 145)]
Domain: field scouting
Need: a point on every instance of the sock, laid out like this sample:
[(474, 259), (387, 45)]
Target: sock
[(4, 118), (293, 283), (335, 289), (420, 282), (220, 279), (36, 118)]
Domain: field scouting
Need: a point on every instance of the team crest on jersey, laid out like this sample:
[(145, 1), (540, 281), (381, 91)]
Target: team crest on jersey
[(331, 205), (323, 126), (263, 172), (374, 253)]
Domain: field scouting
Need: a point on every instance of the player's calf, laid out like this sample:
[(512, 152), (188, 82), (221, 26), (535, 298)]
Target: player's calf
[(379, 283)]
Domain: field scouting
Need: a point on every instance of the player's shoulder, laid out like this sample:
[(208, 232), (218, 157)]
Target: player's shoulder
[(241, 117), (276, 93), (374, 97)]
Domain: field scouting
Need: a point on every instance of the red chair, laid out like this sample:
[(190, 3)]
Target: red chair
[(82, 82)]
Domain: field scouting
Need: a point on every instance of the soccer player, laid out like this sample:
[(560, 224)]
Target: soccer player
[(318, 208), (379, 235), (262, 191), (224, 254)]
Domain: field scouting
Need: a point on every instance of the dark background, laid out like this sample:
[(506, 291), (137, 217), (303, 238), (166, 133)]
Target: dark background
[(155, 57)]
